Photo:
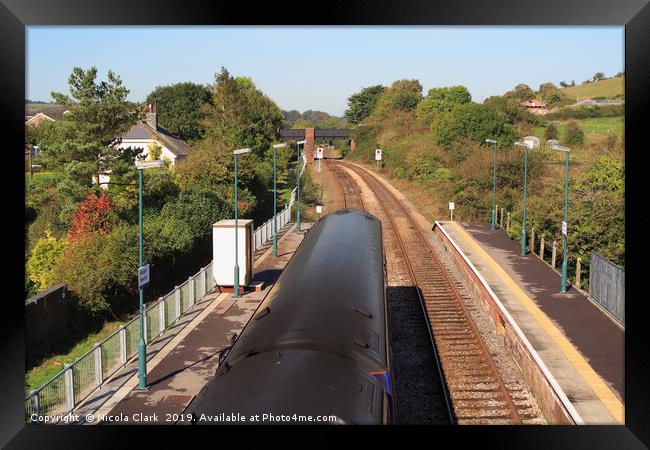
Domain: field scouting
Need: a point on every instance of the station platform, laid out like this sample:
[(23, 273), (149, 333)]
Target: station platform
[(181, 363), (581, 349)]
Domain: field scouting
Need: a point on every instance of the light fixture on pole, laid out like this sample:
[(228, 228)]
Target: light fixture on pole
[(527, 145), (275, 200), (567, 151), (143, 275), (235, 294), (298, 144), (494, 182)]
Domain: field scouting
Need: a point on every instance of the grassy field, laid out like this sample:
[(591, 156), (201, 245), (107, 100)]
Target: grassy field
[(54, 364), (604, 88), (595, 129)]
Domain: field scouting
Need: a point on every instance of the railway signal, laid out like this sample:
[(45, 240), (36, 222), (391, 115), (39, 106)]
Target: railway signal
[(378, 157)]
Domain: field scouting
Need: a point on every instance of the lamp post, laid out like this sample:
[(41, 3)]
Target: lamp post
[(567, 151), (494, 182), (275, 200), (527, 145), (235, 294), (142, 346), (298, 182)]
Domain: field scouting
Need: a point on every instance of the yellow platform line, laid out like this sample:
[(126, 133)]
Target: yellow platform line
[(597, 384)]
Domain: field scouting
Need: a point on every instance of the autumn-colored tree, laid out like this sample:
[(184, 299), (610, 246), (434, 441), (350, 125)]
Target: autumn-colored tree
[(94, 215)]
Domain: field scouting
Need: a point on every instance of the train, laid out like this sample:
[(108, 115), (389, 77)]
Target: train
[(316, 349)]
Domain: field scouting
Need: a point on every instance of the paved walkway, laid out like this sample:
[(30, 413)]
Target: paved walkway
[(185, 358), (581, 346)]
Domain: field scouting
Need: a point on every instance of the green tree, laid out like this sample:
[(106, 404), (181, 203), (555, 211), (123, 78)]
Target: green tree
[(179, 108), (43, 259), (550, 132), (599, 76), (471, 121), (99, 115), (510, 109), (362, 103), (402, 95), (549, 93), (573, 134), (520, 93), (442, 99)]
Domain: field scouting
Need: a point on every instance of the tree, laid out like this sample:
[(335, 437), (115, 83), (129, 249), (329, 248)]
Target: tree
[(574, 134), (442, 99), (240, 115), (471, 121), (549, 93), (362, 103), (94, 215), (43, 259), (99, 115), (599, 76), (402, 95), (154, 150), (550, 132), (179, 108), (510, 109), (520, 93), (564, 84)]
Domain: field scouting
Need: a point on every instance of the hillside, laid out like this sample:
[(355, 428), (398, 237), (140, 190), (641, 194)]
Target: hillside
[(611, 87)]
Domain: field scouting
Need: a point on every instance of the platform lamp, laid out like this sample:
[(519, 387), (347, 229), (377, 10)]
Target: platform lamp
[(527, 145), (298, 144), (235, 293), (275, 200), (494, 182), (142, 346), (566, 151)]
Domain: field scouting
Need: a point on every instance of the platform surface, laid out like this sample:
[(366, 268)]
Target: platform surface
[(580, 345)]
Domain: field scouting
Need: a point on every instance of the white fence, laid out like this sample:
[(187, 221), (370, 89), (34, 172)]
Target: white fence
[(68, 388)]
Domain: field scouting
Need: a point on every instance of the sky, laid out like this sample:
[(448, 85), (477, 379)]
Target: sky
[(318, 68)]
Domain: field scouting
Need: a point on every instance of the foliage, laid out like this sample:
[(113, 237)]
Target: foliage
[(154, 150), (511, 110), (43, 259), (585, 112), (179, 108), (402, 95), (99, 114), (240, 115), (362, 103), (471, 121), (520, 93), (550, 132), (442, 99), (574, 134), (550, 93), (94, 215)]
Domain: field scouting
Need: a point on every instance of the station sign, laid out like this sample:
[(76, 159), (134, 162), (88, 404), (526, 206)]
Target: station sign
[(143, 276), (319, 153), (451, 206), (378, 154), (564, 228)]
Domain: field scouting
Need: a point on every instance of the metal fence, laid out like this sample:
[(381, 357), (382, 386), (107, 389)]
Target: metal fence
[(607, 286), (64, 391), (68, 388)]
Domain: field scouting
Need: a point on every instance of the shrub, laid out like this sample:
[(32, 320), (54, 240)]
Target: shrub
[(43, 259), (550, 132), (94, 215), (574, 134)]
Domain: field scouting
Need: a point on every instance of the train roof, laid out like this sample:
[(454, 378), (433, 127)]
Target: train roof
[(291, 383)]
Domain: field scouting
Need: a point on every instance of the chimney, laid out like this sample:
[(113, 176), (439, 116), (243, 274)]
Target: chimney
[(151, 118)]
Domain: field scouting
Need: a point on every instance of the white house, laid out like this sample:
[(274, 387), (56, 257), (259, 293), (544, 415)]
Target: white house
[(143, 134)]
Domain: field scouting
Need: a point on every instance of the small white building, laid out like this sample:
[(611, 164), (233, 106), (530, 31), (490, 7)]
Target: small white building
[(144, 134)]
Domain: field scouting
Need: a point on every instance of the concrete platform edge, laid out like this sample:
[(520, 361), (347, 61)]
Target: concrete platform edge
[(553, 387)]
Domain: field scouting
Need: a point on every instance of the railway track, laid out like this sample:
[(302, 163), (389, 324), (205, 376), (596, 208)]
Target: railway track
[(477, 392), (419, 387)]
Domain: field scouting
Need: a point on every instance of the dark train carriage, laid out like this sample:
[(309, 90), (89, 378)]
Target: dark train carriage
[(318, 342)]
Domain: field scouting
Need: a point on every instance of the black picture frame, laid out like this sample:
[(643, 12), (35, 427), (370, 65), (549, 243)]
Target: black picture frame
[(15, 15)]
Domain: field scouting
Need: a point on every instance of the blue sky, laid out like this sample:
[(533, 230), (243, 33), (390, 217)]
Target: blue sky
[(320, 67)]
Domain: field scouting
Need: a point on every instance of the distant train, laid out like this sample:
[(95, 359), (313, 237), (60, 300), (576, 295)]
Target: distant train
[(317, 346)]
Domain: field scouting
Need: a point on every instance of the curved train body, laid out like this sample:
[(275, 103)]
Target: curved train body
[(317, 345)]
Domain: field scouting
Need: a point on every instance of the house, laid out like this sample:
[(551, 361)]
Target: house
[(535, 106), (47, 113), (144, 134)]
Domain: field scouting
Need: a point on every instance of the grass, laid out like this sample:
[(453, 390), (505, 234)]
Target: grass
[(603, 88), (54, 364), (595, 129), (40, 175)]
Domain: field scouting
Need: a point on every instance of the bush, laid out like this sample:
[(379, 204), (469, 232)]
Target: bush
[(574, 134), (44, 257), (550, 132)]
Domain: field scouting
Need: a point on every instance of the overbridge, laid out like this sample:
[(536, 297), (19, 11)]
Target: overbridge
[(310, 135)]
